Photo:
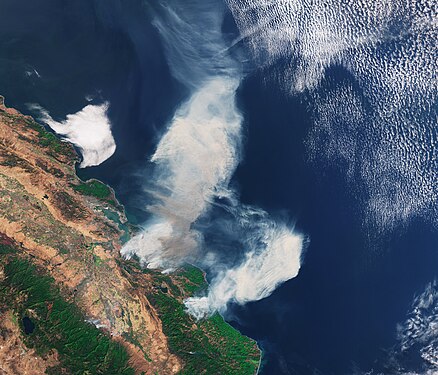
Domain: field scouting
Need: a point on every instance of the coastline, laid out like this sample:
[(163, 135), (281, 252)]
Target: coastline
[(259, 366), (90, 195)]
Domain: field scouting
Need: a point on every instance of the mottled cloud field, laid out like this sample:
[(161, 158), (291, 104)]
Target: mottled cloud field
[(384, 135)]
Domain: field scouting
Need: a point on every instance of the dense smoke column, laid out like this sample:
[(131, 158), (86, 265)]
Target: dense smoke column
[(194, 162)]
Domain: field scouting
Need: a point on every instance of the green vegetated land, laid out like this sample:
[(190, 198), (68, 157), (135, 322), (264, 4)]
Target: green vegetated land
[(96, 189), (60, 325), (209, 346), (49, 140)]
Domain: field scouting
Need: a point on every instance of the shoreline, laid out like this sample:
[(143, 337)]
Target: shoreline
[(114, 194), (28, 123)]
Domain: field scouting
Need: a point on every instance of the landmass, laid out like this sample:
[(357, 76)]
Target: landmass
[(69, 304)]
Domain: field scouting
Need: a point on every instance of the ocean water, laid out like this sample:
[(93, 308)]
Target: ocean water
[(340, 314), (66, 56), (316, 158)]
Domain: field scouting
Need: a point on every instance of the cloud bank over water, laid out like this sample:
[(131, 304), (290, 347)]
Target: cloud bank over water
[(192, 167), (419, 333), (389, 48), (416, 349), (89, 130)]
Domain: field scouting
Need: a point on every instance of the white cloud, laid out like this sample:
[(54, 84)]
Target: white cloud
[(389, 47), (89, 130)]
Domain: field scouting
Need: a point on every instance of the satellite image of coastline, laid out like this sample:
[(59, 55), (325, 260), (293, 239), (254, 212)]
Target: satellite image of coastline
[(219, 187)]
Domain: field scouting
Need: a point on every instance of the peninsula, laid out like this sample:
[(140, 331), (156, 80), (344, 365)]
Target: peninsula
[(69, 304)]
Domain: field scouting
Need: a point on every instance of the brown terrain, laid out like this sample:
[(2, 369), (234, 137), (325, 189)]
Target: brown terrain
[(70, 235), (15, 357)]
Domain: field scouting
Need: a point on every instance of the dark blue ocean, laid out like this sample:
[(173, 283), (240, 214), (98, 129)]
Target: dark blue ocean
[(340, 314)]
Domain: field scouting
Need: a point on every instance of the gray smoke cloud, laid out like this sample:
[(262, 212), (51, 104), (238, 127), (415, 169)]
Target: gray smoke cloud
[(194, 162)]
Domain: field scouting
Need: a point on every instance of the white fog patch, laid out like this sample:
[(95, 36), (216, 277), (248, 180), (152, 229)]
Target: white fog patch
[(271, 260), (89, 130)]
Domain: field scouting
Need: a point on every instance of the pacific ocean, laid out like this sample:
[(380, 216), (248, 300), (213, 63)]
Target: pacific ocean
[(340, 314), (356, 284)]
